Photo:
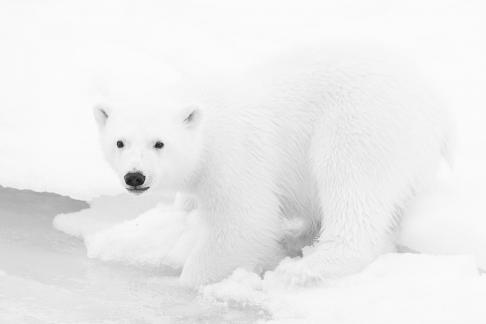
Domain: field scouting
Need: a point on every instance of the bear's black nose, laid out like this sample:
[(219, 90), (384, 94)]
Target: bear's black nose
[(134, 179)]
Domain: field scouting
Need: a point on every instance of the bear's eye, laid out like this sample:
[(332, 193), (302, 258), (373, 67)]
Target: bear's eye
[(120, 144), (159, 145)]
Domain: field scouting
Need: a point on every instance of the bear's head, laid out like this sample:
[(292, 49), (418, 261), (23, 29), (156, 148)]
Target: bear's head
[(155, 148)]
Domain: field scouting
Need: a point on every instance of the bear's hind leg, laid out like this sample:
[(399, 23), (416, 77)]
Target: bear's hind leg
[(359, 194), (355, 230)]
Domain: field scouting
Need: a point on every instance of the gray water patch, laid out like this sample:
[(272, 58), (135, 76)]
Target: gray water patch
[(49, 279)]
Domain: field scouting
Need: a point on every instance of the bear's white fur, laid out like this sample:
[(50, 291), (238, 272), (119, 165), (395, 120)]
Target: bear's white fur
[(318, 148)]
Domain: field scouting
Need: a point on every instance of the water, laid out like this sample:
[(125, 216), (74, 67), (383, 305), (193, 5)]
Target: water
[(48, 278)]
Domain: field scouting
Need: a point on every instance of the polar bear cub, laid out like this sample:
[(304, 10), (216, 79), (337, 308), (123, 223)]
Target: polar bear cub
[(320, 149)]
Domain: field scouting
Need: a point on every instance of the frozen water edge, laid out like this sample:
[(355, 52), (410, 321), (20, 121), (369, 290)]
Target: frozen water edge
[(48, 278), (45, 276)]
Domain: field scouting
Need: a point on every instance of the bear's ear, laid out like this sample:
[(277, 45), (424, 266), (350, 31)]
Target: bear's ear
[(192, 116), (101, 114)]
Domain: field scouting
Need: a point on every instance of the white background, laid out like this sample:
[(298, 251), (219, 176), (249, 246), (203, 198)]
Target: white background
[(56, 57)]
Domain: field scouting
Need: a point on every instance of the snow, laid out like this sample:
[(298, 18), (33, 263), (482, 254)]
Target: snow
[(141, 232), (450, 218), (397, 288), (59, 58), (103, 213)]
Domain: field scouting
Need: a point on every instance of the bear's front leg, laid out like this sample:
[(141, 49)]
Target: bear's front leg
[(236, 242)]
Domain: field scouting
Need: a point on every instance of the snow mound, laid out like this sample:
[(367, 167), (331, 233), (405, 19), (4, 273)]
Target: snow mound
[(397, 288), (139, 231), (450, 218)]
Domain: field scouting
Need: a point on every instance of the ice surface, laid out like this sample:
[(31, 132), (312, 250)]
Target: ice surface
[(45, 276)]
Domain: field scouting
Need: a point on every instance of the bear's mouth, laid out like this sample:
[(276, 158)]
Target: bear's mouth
[(137, 190)]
